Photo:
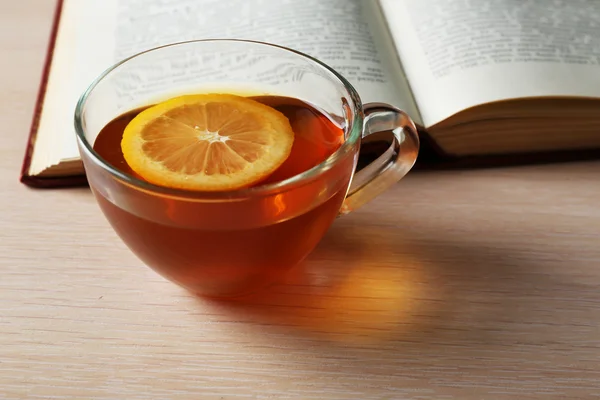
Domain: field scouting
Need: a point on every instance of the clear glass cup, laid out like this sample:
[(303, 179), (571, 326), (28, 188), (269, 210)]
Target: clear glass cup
[(232, 243)]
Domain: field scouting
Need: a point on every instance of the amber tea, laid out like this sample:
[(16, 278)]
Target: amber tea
[(286, 227)]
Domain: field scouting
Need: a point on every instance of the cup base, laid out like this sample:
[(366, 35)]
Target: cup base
[(230, 290)]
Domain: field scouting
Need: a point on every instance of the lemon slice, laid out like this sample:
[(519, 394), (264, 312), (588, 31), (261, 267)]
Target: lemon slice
[(207, 142)]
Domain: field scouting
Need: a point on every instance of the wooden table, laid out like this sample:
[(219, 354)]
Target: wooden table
[(453, 285)]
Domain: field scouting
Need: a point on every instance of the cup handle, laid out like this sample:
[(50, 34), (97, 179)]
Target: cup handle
[(393, 164)]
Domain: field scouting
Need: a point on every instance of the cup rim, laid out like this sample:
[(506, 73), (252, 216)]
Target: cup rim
[(353, 132)]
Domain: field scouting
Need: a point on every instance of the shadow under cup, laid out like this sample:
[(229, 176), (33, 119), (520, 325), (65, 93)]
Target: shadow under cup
[(227, 243)]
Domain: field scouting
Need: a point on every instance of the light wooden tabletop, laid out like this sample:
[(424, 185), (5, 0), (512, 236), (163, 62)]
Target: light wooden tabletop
[(453, 285)]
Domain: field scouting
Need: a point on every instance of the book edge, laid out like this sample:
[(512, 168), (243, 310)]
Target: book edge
[(24, 176)]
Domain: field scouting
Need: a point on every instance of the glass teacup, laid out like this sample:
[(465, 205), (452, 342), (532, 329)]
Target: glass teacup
[(234, 242)]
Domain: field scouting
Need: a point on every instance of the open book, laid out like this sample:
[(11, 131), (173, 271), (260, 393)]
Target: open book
[(479, 77)]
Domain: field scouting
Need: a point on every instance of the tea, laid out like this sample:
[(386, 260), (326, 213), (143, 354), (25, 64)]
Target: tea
[(255, 242)]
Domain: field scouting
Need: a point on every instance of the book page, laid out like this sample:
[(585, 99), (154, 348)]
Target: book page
[(461, 53), (54, 112), (348, 35)]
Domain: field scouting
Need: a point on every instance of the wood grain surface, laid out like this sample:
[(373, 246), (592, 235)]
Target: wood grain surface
[(453, 285)]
